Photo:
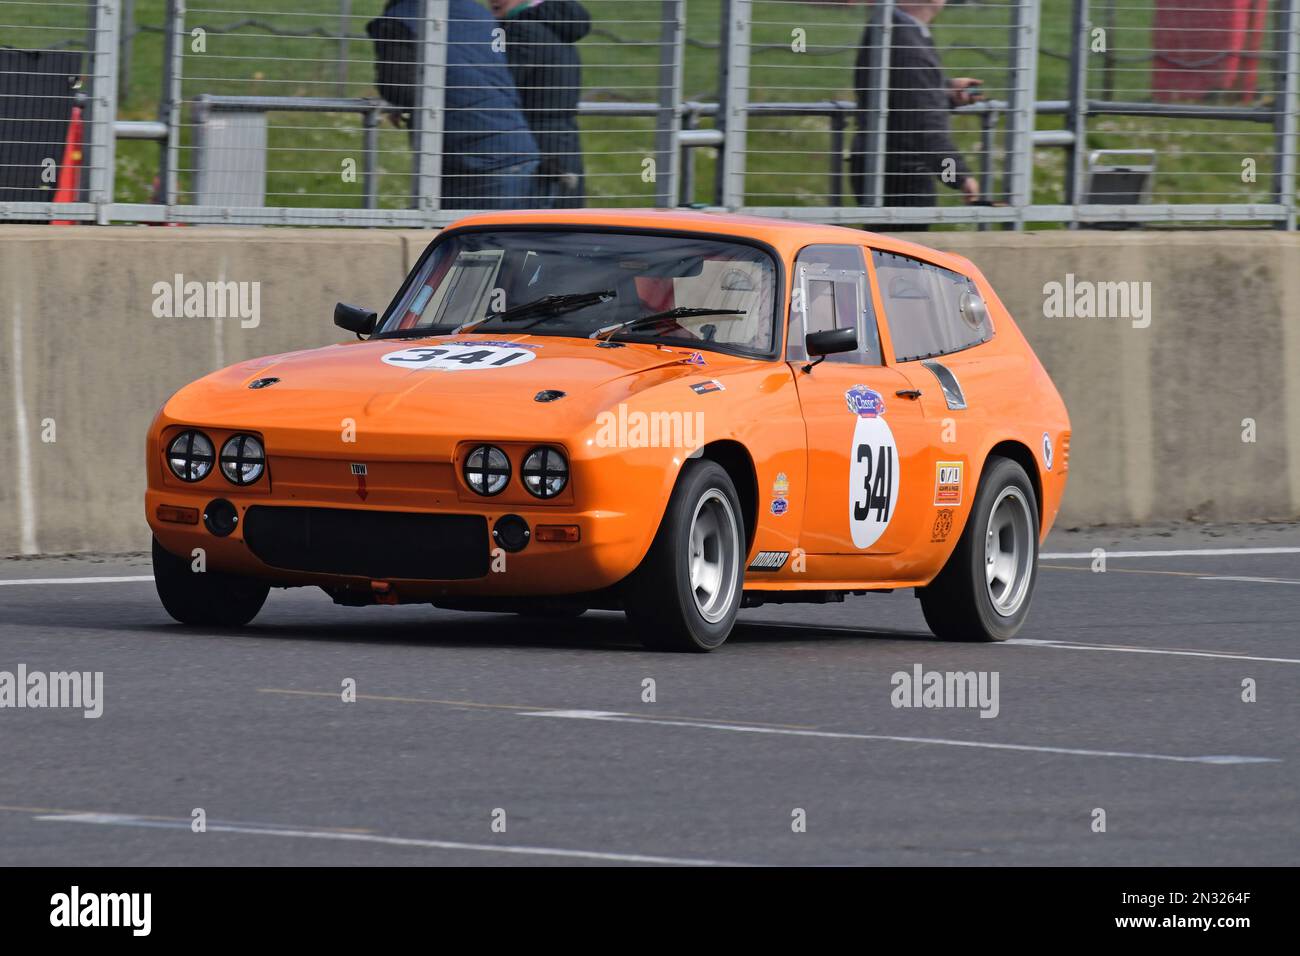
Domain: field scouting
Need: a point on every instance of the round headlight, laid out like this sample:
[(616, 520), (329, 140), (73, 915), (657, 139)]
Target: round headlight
[(487, 470), (545, 471), (190, 456), (243, 459)]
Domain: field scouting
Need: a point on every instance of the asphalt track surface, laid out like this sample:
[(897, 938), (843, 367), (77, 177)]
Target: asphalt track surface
[(1123, 692)]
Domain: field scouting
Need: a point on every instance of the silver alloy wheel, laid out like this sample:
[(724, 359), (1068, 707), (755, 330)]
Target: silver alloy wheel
[(1009, 551), (714, 555)]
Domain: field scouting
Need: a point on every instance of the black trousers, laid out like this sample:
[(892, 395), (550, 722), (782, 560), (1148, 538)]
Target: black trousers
[(902, 187)]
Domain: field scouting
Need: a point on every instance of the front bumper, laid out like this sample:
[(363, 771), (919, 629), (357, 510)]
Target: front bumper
[(420, 554)]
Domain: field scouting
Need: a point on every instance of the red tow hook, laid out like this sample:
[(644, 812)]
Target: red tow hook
[(384, 592)]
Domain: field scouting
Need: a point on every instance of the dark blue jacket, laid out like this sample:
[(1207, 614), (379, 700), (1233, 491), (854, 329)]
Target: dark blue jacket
[(484, 128), (540, 45)]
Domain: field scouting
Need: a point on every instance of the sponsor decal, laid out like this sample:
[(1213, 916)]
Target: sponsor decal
[(695, 358), (359, 469), (864, 402), (1047, 451), (947, 482), (454, 357), (704, 388), (769, 561), (497, 343), (942, 526), (874, 480), (780, 488)]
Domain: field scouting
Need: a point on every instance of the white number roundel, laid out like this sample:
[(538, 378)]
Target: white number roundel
[(459, 358), (873, 480)]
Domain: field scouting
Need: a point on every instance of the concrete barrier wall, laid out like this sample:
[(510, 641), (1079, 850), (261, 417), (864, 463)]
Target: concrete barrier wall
[(1157, 411)]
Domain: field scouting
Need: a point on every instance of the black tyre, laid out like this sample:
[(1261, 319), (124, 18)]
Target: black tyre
[(983, 592), (685, 594), (204, 598)]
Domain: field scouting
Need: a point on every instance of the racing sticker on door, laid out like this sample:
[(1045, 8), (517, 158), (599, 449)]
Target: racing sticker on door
[(459, 358), (873, 468)]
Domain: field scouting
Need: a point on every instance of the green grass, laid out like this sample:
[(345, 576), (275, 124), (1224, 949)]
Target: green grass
[(788, 158)]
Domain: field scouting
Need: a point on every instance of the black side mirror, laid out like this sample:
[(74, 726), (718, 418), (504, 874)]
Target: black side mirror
[(353, 318), (829, 342)]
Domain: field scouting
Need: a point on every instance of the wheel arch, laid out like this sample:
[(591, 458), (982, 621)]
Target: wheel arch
[(1019, 453), (737, 462)]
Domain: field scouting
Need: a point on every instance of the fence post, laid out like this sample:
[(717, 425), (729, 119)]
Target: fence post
[(672, 41), (345, 31), (878, 57), (427, 119), (733, 102), (107, 24), (1288, 103), (126, 49), (1076, 120), (171, 110), (1021, 111)]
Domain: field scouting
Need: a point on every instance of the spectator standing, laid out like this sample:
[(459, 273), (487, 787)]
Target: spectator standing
[(918, 137), (540, 48), (489, 155)]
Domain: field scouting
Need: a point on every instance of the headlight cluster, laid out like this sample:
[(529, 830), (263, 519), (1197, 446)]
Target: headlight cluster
[(191, 456), (545, 471)]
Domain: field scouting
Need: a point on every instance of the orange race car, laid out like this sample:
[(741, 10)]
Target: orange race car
[(675, 414)]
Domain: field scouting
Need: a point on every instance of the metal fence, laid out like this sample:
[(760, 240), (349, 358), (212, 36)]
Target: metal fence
[(408, 113)]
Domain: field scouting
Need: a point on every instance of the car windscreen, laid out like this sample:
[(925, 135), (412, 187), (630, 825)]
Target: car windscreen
[(685, 290)]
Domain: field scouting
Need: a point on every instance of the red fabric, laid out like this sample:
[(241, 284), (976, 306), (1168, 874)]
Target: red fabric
[(435, 279), (1203, 46)]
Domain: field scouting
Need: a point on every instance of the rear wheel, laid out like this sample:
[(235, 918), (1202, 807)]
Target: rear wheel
[(983, 592), (685, 594), (204, 597)]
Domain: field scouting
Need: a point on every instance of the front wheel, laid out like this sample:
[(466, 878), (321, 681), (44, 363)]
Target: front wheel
[(983, 592), (204, 597), (685, 594)]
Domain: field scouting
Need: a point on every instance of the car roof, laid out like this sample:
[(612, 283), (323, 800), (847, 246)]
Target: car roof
[(785, 235)]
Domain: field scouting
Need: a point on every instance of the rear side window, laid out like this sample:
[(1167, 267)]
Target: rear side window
[(830, 292), (931, 310)]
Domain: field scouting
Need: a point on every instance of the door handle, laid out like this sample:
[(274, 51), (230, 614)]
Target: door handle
[(912, 393)]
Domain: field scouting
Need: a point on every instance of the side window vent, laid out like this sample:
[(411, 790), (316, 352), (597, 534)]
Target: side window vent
[(830, 291)]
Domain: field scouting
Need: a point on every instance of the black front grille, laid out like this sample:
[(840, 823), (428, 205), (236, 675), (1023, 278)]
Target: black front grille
[(373, 544)]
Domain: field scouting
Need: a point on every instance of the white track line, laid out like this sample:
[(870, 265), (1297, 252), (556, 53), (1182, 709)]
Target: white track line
[(610, 716), (126, 820), (1185, 553), (1225, 577), (13, 582), (1128, 649)]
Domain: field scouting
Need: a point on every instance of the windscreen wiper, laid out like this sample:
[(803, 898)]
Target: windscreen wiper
[(547, 306), (678, 313), (413, 333)]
